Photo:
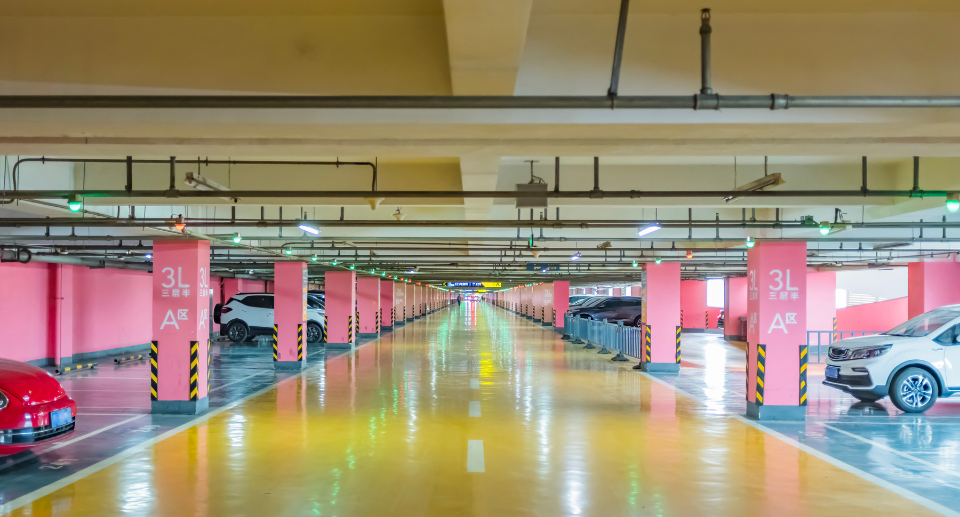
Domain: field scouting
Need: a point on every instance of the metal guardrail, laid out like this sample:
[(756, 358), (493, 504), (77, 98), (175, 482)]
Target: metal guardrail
[(819, 341), (611, 338)]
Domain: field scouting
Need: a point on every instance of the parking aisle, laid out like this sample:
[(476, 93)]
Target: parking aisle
[(473, 410)]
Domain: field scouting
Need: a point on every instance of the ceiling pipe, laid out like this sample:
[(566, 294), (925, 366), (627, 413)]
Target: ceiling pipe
[(537, 102), (77, 222), (472, 194), (618, 51)]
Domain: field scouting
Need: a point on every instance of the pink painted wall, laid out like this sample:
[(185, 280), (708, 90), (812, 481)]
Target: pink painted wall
[(821, 299), (693, 303), (879, 316), (735, 304), (931, 285), (112, 309), (25, 306)]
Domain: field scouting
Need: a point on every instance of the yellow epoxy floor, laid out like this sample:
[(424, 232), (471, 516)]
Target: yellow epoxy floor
[(383, 431)]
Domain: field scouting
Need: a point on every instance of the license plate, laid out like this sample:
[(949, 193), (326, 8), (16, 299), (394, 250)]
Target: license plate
[(832, 372), (60, 417)]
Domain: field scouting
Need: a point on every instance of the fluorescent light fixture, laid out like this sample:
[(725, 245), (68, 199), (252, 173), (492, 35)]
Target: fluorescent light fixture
[(768, 181), (575, 256), (648, 230), (309, 229), (204, 183), (953, 202), (74, 203)]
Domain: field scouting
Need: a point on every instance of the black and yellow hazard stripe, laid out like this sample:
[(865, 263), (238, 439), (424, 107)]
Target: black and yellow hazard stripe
[(803, 375), (129, 358), (209, 363), (356, 324), (706, 319), (349, 329), (836, 337), (378, 320), (681, 317), (393, 315), (275, 358), (678, 345), (154, 353), (299, 341), (194, 370), (324, 329), (761, 368), (75, 368), (646, 344)]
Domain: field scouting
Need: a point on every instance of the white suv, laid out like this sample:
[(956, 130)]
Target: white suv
[(914, 363), (251, 314)]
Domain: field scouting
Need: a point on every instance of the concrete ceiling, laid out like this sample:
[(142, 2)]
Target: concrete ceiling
[(499, 47)]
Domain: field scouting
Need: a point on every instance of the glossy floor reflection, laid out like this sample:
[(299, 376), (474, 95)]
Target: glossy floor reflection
[(477, 411)]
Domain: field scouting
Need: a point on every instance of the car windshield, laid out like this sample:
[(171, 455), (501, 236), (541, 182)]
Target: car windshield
[(593, 301), (925, 323)]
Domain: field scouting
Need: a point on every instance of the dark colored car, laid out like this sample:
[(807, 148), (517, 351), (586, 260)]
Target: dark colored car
[(612, 309), (34, 409)]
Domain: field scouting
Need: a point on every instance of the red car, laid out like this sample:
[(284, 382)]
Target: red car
[(34, 409)]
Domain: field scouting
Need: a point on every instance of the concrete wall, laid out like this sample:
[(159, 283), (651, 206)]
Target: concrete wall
[(879, 316), (111, 309)]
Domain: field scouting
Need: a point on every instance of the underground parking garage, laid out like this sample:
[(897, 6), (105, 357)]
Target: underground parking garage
[(454, 257)]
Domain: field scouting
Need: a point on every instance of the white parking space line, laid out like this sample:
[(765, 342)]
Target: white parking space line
[(475, 408), (74, 440), (236, 381), (894, 451), (919, 499), (475, 456), (474, 384)]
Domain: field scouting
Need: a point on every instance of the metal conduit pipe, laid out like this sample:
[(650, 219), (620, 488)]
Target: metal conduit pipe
[(446, 223), (392, 102), (472, 194)]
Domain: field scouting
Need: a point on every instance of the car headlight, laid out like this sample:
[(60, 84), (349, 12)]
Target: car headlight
[(3, 400), (866, 353)]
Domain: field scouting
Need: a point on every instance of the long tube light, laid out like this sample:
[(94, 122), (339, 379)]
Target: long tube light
[(648, 230), (309, 229)]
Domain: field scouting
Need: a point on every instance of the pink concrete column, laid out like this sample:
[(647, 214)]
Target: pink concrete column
[(61, 333), (387, 308), (776, 329), (561, 300), (548, 316), (368, 305), (693, 305), (661, 313), (340, 308), (734, 306), (415, 299), (536, 302), (636, 290), (290, 315), (409, 301), (181, 339), (399, 303), (822, 300), (931, 285)]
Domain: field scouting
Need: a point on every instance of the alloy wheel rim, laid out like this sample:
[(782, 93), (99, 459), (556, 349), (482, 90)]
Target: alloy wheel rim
[(313, 334), (916, 391), (236, 332)]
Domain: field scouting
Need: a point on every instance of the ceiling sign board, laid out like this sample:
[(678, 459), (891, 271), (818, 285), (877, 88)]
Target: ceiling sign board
[(473, 284)]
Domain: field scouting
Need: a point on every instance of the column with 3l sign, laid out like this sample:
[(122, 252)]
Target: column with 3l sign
[(776, 328), (181, 330)]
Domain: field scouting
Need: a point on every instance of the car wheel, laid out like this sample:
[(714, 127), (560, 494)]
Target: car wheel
[(867, 397), (314, 333), (914, 390), (238, 332), (637, 322)]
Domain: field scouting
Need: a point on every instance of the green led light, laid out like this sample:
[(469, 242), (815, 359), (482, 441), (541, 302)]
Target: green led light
[(288, 252), (74, 203), (313, 258), (334, 263), (824, 227), (352, 267), (953, 202), (634, 263), (237, 238), (658, 260), (750, 242)]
